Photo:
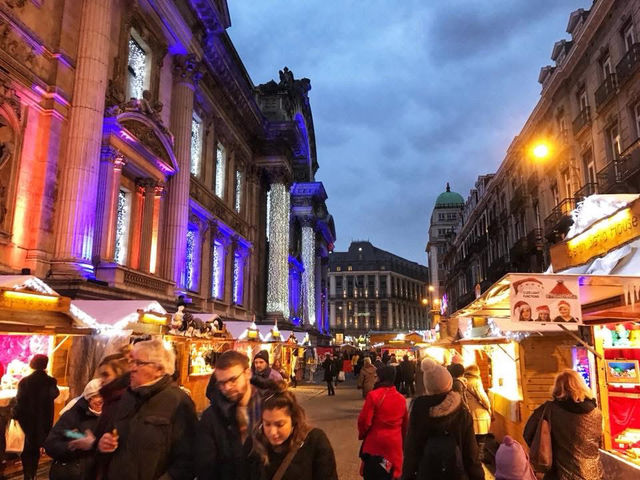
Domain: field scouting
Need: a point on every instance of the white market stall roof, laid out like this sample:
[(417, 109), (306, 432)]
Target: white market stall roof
[(602, 297), (117, 314), (30, 283), (237, 328)]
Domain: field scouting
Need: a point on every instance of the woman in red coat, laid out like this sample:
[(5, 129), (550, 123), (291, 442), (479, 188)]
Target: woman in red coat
[(382, 424)]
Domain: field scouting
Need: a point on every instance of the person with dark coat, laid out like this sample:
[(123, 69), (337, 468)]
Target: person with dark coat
[(382, 425), (262, 369), (359, 364), (73, 458), (576, 429), (34, 412), (437, 418), (223, 436), (283, 430), (338, 361), (155, 423), (407, 374), (330, 373), (113, 371), (367, 378)]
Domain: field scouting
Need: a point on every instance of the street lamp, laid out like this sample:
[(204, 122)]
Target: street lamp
[(541, 150)]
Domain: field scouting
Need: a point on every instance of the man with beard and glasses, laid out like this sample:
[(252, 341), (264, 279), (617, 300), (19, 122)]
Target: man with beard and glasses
[(226, 425)]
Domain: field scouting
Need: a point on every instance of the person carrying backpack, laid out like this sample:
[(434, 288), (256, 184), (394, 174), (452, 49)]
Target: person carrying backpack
[(440, 443)]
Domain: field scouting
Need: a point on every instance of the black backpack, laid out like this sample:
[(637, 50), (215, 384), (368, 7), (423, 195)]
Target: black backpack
[(441, 457)]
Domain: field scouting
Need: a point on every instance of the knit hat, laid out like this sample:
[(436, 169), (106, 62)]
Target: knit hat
[(263, 354), (92, 389), (386, 375), (427, 364), (512, 462), (437, 380)]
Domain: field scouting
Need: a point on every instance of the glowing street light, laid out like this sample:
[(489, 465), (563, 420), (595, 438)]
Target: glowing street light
[(541, 151), (425, 301)]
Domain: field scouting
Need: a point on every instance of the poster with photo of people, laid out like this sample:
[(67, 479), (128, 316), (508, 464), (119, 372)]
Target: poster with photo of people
[(545, 299)]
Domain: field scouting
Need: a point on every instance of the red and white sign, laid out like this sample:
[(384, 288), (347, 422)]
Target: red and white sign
[(540, 298)]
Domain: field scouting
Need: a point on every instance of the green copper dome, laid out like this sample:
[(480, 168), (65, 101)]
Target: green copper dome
[(449, 198)]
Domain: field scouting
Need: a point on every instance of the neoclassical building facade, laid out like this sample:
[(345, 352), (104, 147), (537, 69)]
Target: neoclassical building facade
[(139, 160)]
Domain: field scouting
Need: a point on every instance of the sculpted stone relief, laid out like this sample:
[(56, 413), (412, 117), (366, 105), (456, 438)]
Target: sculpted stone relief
[(7, 149)]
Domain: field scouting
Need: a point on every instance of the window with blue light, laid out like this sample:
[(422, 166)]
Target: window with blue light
[(238, 264), (217, 271), (190, 261), (238, 193), (196, 146), (221, 166)]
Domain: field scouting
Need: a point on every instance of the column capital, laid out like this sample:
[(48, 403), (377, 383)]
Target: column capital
[(112, 155), (187, 68)]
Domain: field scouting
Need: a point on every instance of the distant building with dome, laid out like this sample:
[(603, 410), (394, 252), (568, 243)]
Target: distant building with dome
[(446, 214)]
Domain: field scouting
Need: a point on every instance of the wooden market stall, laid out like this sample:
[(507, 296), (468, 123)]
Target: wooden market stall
[(34, 319)]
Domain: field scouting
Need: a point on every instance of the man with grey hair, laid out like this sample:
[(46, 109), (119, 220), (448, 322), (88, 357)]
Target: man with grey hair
[(154, 427)]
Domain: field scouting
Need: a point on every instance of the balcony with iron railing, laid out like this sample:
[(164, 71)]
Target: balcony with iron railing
[(585, 191), (606, 91), (614, 176), (582, 120), (629, 64), (559, 219)]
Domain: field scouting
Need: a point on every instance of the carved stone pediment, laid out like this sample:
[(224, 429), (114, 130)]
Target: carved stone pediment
[(149, 138)]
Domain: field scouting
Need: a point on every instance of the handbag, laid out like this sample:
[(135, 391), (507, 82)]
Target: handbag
[(71, 470), (14, 437), (540, 452)]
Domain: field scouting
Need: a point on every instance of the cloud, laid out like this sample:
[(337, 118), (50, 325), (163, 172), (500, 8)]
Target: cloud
[(405, 96)]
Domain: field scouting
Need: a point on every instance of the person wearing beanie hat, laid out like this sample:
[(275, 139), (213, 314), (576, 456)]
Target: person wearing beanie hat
[(261, 368), (382, 424), (512, 463), (437, 419), (73, 456)]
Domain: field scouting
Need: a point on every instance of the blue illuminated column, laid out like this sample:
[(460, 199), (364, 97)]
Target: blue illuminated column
[(309, 275), (278, 268)]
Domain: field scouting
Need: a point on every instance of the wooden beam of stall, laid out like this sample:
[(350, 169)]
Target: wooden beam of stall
[(580, 341)]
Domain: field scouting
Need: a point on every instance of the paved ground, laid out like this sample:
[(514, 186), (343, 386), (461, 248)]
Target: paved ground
[(337, 416)]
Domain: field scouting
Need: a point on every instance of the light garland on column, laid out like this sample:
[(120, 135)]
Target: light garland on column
[(278, 270), (190, 259), (309, 262)]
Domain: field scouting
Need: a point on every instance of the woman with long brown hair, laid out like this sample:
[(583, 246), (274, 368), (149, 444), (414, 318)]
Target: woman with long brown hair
[(285, 447)]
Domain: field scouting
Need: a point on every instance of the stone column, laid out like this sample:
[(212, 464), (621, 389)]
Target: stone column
[(332, 314), (278, 270), (112, 163), (77, 193), (389, 285), (378, 319), (186, 70), (377, 286)]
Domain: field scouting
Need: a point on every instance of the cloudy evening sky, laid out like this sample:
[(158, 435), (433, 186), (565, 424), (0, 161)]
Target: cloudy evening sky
[(406, 95)]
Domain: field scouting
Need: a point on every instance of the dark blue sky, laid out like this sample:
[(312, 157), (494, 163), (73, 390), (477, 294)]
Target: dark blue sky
[(406, 95)]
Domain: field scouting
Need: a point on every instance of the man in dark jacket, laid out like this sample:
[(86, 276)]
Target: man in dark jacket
[(224, 431), (440, 437), (34, 412), (155, 422), (329, 366), (407, 373)]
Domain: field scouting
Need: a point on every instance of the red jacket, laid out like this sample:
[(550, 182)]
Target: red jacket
[(382, 424)]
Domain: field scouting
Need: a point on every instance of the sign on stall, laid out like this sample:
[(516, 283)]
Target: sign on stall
[(541, 298), (599, 239)]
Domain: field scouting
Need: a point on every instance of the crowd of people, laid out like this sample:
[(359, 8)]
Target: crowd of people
[(133, 421), (442, 435)]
